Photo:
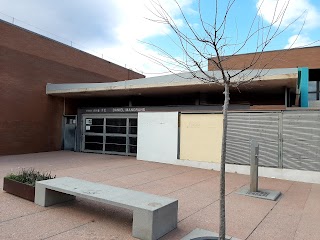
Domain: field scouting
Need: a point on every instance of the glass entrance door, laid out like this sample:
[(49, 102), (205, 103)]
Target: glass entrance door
[(110, 135), (116, 135), (93, 137)]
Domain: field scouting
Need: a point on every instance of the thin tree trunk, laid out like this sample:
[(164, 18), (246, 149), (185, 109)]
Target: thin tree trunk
[(222, 228)]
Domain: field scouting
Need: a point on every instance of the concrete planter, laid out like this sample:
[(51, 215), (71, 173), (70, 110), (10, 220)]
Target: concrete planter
[(19, 189)]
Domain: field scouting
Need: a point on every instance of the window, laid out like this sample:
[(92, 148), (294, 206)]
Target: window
[(115, 135), (314, 90)]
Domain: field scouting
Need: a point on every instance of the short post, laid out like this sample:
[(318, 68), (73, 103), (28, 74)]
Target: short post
[(254, 163)]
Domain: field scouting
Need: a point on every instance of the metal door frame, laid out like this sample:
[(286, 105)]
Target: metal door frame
[(104, 134), (64, 122)]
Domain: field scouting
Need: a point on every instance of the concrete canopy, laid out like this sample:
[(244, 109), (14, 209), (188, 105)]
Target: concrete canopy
[(274, 80)]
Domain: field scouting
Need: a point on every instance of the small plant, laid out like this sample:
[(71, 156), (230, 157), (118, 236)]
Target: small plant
[(30, 176)]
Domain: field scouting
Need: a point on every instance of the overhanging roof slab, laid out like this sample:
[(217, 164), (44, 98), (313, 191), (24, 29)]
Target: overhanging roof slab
[(176, 83)]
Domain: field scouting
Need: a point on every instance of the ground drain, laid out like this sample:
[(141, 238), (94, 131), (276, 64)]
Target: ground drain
[(205, 238), (201, 234), (262, 193), (258, 194)]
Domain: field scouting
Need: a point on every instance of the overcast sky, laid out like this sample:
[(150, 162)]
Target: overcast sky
[(114, 29)]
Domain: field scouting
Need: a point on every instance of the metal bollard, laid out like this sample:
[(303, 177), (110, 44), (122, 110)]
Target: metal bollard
[(254, 163)]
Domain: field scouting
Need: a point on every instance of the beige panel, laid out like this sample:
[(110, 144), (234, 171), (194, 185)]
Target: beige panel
[(201, 137)]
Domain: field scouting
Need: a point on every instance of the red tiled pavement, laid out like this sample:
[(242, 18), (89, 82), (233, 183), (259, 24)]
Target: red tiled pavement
[(296, 215)]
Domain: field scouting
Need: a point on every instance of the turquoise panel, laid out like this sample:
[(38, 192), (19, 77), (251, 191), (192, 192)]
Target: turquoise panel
[(303, 82)]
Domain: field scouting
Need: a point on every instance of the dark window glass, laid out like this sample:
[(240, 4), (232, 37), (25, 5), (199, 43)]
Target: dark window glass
[(133, 149), (312, 86), (118, 140), (312, 96), (116, 122), (115, 148), (133, 122), (93, 139), (132, 145), (94, 146), (97, 121), (119, 130), (94, 129), (133, 141), (133, 130)]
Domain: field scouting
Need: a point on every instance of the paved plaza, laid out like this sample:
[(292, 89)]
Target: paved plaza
[(296, 214)]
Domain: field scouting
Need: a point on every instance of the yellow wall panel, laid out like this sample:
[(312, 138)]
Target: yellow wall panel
[(201, 137)]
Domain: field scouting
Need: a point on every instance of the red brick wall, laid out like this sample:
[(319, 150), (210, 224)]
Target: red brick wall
[(298, 57), (30, 121), (34, 44)]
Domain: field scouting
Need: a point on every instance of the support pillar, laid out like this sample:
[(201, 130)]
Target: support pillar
[(254, 163)]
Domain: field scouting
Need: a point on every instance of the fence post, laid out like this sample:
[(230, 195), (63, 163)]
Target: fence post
[(254, 163)]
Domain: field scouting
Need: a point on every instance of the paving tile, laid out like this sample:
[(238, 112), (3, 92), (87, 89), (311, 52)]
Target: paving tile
[(294, 216), (283, 220), (98, 230), (107, 222), (308, 227), (190, 202), (242, 214), (274, 184), (174, 183), (112, 173), (211, 187), (144, 177), (14, 207), (43, 224), (94, 168)]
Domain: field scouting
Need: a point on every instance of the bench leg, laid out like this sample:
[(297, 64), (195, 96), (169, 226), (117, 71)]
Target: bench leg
[(151, 225), (46, 197)]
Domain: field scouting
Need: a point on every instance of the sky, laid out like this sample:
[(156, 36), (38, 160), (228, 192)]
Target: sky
[(126, 31)]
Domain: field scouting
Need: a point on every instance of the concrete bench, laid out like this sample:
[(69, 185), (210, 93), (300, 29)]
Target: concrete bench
[(153, 216)]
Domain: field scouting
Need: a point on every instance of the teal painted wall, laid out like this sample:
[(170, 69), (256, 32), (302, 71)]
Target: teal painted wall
[(303, 82)]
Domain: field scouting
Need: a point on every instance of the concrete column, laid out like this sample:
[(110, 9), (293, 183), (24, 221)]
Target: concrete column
[(303, 82), (286, 97), (254, 163)]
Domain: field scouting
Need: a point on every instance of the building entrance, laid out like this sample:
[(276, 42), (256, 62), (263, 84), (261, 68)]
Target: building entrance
[(69, 132), (116, 134)]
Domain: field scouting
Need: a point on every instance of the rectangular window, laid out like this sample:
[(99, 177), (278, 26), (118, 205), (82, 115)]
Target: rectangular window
[(115, 135), (314, 90), (312, 86), (312, 96)]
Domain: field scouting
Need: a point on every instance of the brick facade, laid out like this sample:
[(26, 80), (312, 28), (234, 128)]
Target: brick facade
[(31, 121), (297, 57)]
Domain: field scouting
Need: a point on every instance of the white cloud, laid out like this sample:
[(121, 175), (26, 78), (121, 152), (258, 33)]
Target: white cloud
[(135, 15), (77, 20), (108, 27), (302, 10), (297, 41), (130, 56), (137, 26), (300, 16)]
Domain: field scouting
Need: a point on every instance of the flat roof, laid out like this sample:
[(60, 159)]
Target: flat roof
[(177, 83), (274, 50)]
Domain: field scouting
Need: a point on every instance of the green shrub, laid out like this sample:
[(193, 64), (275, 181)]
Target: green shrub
[(30, 176)]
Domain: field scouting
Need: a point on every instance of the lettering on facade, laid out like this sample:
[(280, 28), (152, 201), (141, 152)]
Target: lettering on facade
[(129, 110), (115, 110)]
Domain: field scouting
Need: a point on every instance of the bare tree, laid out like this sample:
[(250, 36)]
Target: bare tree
[(211, 44)]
